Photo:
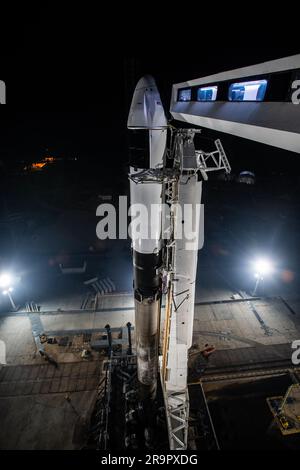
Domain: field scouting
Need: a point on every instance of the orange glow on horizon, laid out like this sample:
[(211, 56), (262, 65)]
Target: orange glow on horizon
[(41, 164), (38, 165)]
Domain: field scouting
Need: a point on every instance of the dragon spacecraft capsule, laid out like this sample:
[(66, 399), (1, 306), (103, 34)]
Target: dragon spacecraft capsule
[(148, 122)]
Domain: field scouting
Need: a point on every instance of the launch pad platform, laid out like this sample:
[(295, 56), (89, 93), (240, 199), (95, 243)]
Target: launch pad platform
[(244, 355)]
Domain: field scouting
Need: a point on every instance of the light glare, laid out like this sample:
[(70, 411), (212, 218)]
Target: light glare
[(263, 267), (5, 280)]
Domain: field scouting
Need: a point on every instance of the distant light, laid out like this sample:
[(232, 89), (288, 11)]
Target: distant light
[(39, 165), (263, 267), (5, 280)]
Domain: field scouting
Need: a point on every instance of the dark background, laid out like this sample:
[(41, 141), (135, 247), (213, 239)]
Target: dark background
[(56, 57), (70, 74), (66, 55)]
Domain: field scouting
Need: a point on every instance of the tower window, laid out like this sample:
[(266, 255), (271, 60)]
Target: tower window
[(208, 93), (248, 91), (185, 95)]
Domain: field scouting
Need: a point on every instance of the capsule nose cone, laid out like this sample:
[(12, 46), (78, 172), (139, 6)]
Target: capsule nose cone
[(147, 81), (146, 111)]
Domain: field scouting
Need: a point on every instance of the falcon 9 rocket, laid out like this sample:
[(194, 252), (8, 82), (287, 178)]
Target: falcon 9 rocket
[(148, 122)]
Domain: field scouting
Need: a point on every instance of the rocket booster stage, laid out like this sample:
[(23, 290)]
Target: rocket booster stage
[(165, 257), (147, 120)]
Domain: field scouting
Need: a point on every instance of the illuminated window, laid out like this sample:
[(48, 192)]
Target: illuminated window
[(208, 93), (185, 95), (248, 91)]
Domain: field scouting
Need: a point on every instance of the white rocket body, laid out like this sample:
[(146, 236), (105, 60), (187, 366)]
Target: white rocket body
[(147, 115)]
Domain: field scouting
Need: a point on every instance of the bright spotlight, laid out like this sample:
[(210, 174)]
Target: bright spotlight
[(263, 267), (5, 280)]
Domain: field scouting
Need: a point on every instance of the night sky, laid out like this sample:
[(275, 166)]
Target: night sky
[(70, 72), (74, 59)]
